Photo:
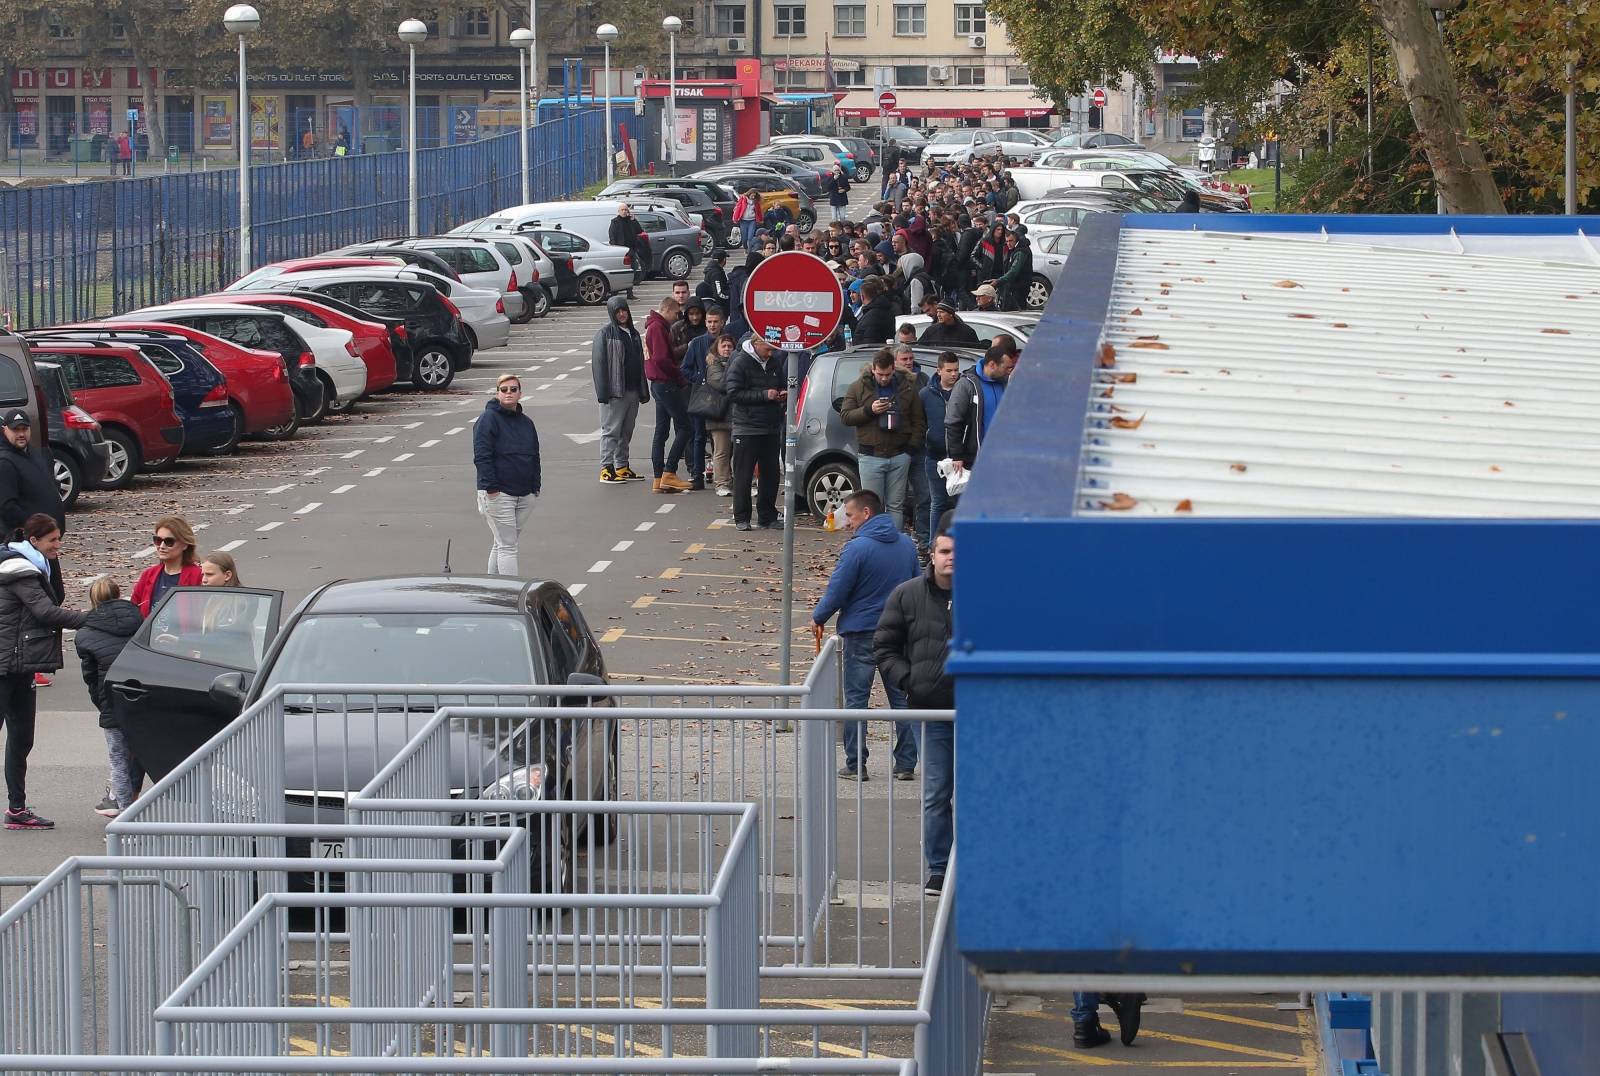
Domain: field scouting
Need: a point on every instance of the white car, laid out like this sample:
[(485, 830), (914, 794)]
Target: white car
[(1019, 142), (483, 313), (479, 265), (986, 325), (961, 146)]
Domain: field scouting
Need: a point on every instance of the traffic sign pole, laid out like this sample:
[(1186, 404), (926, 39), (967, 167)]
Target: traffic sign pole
[(791, 449)]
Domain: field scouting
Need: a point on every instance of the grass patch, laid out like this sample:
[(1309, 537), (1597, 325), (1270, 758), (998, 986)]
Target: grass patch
[(1263, 198)]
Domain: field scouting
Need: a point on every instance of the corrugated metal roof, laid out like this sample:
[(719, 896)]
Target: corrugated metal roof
[(1272, 376)]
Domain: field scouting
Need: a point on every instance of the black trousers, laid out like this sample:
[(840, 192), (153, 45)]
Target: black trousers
[(18, 703), (749, 452)]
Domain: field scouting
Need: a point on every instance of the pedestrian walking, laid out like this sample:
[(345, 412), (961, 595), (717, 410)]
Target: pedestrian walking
[(670, 390), (883, 408), (837, 188), (746, 213), (757, 388), (1086, 1030), (971, 408), (27, 483), (627, 233), (935, 396), (111, 622), (176, 564), (910, 645), (720, 430), (871, 565), (505, 451), (616, 361), (31, 619)]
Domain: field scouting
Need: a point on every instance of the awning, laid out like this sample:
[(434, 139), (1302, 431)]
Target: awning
[(964, 104)]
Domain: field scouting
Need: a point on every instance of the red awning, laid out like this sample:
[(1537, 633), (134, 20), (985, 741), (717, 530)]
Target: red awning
[(947, 104)]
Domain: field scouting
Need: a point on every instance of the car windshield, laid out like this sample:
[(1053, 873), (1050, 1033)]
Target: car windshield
[(946, 138), (405, 648)]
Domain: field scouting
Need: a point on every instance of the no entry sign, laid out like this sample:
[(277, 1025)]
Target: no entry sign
[(1099, 99), (793, 301), (887, 100)]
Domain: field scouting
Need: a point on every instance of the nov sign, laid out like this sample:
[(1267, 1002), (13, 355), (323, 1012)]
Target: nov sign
[(793, 301)]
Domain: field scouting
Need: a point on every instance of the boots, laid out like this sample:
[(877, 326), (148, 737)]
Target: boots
[(1127, 1007), (1088, 1034)]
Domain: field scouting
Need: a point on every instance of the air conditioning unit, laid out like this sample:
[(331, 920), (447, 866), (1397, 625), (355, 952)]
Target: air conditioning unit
[(736, 44), (939, 72), (977, 41)]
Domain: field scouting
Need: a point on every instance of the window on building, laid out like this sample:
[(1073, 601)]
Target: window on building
[(850, 20), (969, 76), (475, 22), (911, 76), (911, 20), (60, 31), (1018, 76), (688, 18), (971, 19), (730, 20), (791, 20), (850, 78), (119, 31)]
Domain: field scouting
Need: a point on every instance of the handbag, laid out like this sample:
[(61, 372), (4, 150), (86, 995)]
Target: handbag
[(707, 403)]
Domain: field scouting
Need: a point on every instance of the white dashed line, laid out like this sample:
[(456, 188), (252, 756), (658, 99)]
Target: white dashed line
[(576, 589), (282, 488), (231, 546), (428, 444), (402, 457), (411, 425), (314, 472), (270, 526), (374, 473), (599, 566), (575, 369), (352, 455), (542, 387), (453, 430), (552, 358), (622, 547), (346, 488), (573, 350), (664, 509), (384, 440), (307, 509), (644, 526), (562, 377)]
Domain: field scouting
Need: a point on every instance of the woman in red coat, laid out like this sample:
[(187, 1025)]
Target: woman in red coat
[(176, 563)]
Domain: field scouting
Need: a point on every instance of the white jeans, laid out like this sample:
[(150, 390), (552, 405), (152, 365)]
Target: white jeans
[(506, 516)]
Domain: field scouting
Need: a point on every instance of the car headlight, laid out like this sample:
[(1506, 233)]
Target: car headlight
[(522, 783)]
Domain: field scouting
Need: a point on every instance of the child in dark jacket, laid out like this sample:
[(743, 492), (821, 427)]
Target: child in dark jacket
[(112, 622)]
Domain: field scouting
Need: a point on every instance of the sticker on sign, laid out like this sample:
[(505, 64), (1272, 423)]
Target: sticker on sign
[(813, 302)]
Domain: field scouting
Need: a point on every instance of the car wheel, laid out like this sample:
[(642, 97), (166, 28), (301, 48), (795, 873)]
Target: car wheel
[(829, 485), (552, 867), (806, 221), (227, 447), (707, 244), (540, 306), (69, 478), (283, 431), (734, 239), (863, 172), (122, 461), (434, 370), (1038, 293), (315, 417), (593, 288), (677, 265)]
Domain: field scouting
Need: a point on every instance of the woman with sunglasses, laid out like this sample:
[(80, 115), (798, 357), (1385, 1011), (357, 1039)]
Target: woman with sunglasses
[(505, 449), (175, 564)]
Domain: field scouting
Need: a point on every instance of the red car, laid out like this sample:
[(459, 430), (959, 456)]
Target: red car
[(258, 381), (128, 396), (370, 340)]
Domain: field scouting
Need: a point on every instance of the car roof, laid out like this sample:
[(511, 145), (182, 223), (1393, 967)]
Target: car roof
[(423, 594)]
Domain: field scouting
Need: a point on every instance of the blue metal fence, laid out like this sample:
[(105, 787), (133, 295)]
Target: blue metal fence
[(72, 251)]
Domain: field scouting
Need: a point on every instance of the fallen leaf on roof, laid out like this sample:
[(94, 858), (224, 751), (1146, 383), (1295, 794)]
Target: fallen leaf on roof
[(1287, 284), (1119, 502), (1237, 468), (1340, 325), (1510, 404), (1166, 284), (1107, 356), (1118, 407), (1557, 332), (1450, 376), (1184, 505), (1151, 345), (1195, 279), (1166, 291), (1495, 468), (1225, 373), (1308, 317), (1147, 444), (1174, 371), (1243, 297), (1107, 393), (1127, 423), (1125, 379), (1136, 313), (1345, 290)]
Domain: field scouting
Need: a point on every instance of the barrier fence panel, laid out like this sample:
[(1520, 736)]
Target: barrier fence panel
[(951, 1042), (440, 1066)]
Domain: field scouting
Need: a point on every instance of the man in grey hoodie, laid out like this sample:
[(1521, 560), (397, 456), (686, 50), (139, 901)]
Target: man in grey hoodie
[(617, 363)]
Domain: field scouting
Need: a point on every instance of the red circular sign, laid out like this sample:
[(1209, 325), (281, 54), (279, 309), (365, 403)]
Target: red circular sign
[(793, 301), (887, 100), (1099, 99)]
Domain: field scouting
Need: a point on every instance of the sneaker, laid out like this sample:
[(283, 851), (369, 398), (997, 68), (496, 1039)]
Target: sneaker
[(1089, 1034), (724, 491), (26, 819), (41, 680), (107, 808), (628, 474), (1127, 1007), (673, 484), (934, 885), (849, 774), (743, 526), (905, 775), (610, 477), (775, 525), (660, 486)]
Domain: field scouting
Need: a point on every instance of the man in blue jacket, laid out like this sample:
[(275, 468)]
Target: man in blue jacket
[(874, 562)]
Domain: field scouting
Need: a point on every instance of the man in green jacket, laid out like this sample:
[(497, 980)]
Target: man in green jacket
[(883, 407)]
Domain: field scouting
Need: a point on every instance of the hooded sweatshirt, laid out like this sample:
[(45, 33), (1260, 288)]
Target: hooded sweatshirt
[(874, 562), (505, 450), (660, 363), (105, 632), (617, 358)]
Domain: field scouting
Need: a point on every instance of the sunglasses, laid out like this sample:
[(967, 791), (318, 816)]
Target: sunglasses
[(509, 388), (158, 540)]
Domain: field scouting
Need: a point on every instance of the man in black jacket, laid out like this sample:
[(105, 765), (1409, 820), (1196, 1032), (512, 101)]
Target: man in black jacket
[(757, 390), (626, 232), (910, 647), (26, 482), (875, 319), (948, 330)]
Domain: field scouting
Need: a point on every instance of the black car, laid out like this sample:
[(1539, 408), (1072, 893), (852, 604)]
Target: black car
[(207, 653), (910, 141), (385, 248), (399, 335), (439, 344), (713, 221), (803, 174), (720, 196), (77, 446)]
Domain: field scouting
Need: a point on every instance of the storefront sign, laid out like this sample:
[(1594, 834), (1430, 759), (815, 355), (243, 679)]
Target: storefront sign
[(60, 78), (465, 123), (97, 115), (98, 78), (309, 78), (814, 63), (28, 117), (266, 124), (216, 120)]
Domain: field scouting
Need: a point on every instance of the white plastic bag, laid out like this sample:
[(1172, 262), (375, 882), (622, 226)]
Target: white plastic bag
[(955, 482)]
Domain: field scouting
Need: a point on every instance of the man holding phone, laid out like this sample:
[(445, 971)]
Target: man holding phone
[(757, 394)]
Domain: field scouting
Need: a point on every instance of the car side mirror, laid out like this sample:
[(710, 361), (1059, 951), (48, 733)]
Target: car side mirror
[(229, 689), (582, 679)]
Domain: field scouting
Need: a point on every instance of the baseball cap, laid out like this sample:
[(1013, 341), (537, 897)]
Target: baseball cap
[(16, 419), (986, 290)]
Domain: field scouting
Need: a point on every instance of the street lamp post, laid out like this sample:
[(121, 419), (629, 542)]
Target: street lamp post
[(607, 33), (672, 25), (413, 32), (523, 40), (243, 20)]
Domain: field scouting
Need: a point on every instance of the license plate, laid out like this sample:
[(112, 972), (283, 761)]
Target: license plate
[(327, 849)]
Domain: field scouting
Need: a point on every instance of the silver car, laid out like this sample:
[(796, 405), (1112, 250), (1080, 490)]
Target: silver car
[(1019, 143), (1049, 259), (674, 246), (986, 325), (961, 146)]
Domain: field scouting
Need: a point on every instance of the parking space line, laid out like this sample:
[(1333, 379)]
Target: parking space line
[(231, 546), (664, 509), (645, 526), (694, 547), (352, 455), (307, 509), (542, 387), (453, 430), (274, 525), (576, 589), (562, 377), (411, 425), (620, 633), (346, 488), (428, 444), (1243, 1021), (314, 472), (611, 635), (671, 573), (283, 488), (599, 566), (623, 546), (403, 457), (374, 473), (384, 440)]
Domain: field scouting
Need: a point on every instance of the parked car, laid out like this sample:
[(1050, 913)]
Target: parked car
[(819, 155), (722, 196), (477, 265), (212, 423), (535, 271), (1021, 143), (909, 140), (1050, 254), (674, 248), (77, 446), (772, 188), (714, 223), (597, 267), (1093, 199), (305, 265), (19, 384), (961, 146), (398, 333), (128, 396), (181, 678), (826, 447), (385, 251), (803, 174), (437, 340), (866, 154), (843, 152), (1094, 140), (987, 326)]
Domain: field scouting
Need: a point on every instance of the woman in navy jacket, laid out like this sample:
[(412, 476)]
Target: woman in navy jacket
[(505, 448)]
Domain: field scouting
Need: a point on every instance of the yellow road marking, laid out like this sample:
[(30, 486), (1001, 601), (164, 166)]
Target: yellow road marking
[(1212, 1044), (672, 573), (1243, 1021), (645, 601), (617, 633), (654, 604), (750, 577), (613, 634), (1067, 1055), (694, 547), (1090, 1059)]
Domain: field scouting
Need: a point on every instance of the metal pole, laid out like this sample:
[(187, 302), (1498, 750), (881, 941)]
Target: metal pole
[(790, 451), (1438, 21), (1369, 102), (610, 164), (1572, 141), (522, 134), (411, 151), (533, 58), (244, 164), (672, 104)]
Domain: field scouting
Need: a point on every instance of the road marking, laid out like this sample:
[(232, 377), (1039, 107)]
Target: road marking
[(576, 589), (307, 509), (612, 635), (428, 444), (575, 369), (453, 430), (352, 455), (542, 387), (645, 602), (585, 438), (664, 509), (236, 510), (411, 425), (562, 377), (1241, 1020), (282, 488), (231, 546), (384, 440), (694, 547), (403, 457), (750, 577), (645, 526), (346, 488), (270, 526), (374, 473), (672, 573), (703, 642), (622, 547), (552, 358), (314, 472), (573, 350), (599, 566)]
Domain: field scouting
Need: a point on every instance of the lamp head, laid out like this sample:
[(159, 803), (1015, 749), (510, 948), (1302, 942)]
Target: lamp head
[(672, 24), (241, 19), (607, 32), (522, 37), (413, 31)]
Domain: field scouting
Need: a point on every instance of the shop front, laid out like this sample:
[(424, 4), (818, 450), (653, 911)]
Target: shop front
[(948, 108)]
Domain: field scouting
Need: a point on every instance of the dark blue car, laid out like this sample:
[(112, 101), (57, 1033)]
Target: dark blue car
[(199, 390)]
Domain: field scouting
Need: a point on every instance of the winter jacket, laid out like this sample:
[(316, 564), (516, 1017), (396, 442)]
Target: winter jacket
[(918, 282), (956, 334), (683, 330), (694, 359), (717, 378), (875, 321), (934, 400), (144, 588), (30, 619), (617, 358), (624, 232), (917, 237), (837, 187), (714, 288), (874, 562), (967, 413), (913, 641), (27, 485), (106, 630), (659, 362), (505, 450), (746, 385), (856, 411), (1013, 283)]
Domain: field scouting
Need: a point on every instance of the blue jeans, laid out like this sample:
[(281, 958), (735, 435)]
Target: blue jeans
[(697, 448), (887, 478), (1085, 1007), (859, 669), (917, 485), (672, 409), (747, 228), (938, 499), (938, 790)]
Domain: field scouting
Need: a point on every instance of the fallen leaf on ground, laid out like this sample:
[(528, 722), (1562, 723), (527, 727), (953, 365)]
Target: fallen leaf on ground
[(1151, 345), (1184, 505), (1287, 284)]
